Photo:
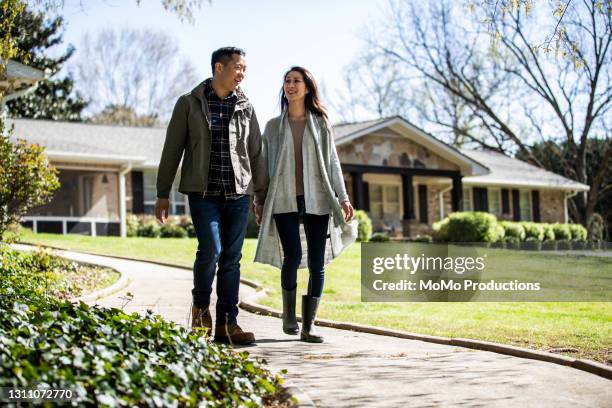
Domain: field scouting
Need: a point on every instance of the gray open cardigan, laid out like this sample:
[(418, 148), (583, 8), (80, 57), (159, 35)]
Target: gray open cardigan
[(319, 153)]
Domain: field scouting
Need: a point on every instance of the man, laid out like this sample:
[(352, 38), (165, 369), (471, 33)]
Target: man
[(215, 131)]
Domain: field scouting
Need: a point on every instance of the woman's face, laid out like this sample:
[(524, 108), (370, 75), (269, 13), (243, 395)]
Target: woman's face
[(294, 87)]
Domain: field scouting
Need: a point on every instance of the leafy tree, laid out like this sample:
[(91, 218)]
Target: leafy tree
[(555, 156), (9, 9), (514, 94), (26, 179), (53, 99)]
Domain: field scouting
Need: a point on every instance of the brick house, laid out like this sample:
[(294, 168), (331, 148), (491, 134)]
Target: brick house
[(403, 177)]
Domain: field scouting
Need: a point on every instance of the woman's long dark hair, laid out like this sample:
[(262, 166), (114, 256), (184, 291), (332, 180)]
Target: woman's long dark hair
[(312, 101)]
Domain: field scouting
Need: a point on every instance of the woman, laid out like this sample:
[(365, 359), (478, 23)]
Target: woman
[(306, 185)]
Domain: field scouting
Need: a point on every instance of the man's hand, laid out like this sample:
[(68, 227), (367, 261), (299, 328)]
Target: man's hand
[(161, 209), (258, 210), (348, 210)]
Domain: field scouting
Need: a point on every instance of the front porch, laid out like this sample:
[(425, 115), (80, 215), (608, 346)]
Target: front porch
[(403, 201), (88, 202)]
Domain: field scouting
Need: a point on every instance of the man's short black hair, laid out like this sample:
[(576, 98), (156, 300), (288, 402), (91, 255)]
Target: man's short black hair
[(224, 55)]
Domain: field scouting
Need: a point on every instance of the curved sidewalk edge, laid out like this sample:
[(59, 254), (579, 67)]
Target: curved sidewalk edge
[(249, 305), (304, 400), (592, 367), (120, 284)]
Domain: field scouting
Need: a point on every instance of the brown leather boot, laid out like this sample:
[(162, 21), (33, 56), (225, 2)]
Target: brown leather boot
[(233, 334), (200, 319)]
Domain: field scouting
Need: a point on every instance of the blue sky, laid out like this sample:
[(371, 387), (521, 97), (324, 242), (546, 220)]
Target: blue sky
[(320, 35)]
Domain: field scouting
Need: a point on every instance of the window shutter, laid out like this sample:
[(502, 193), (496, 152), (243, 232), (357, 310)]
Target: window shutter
[(535, 205), (137, 193), (481, 201), (505, 201), (516, 205)]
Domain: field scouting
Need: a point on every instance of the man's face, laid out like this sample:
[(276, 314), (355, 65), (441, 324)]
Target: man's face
[(231, 74)]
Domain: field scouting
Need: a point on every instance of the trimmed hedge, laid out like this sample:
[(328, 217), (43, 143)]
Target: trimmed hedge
[(109, 357), (148, 226), (533, 230), (467, 227), (483, 227), (579, 233), (562, 232), (514, 230)]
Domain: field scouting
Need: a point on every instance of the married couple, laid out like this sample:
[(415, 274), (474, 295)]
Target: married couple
[(294, 173)]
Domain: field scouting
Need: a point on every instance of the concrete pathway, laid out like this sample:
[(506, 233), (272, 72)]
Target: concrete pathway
[(363, 370)]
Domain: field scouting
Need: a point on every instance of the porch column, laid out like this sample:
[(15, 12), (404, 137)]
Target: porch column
[(122, 210), (408, 196), (457, 194), (358, 190)]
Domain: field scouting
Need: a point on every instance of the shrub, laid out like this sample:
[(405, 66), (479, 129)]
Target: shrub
[(423, 238), (562, 232), (191, 232), (132, 223), (533, 230), (511, 242), (149, 228), (472, 227), (110, 357), (549, 232), (563, 244), (549, 245), (169, 230), (364, 226), (579, 233), (514, 229), (380, 237), (440, 230), (501, 232), (531, 244), (27, 179)]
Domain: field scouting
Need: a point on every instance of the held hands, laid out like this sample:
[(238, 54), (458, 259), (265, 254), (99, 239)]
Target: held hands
[(161, 209), (258, 210), (349, 212)]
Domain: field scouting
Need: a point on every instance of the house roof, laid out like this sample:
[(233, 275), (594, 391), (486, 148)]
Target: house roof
[(142, 146), (345, 129), (82, 142), (349, 132), (17, 78), (507, 171)]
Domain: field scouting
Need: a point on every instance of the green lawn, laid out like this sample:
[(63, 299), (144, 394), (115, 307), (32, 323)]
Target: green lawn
[(585, 326)]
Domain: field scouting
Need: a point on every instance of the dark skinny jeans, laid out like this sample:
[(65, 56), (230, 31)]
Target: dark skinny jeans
[(315, 227)]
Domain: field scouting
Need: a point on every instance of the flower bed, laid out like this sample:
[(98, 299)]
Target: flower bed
[(109, 357)]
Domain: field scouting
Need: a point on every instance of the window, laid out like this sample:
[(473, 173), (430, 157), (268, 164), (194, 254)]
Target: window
[(178, 202), (376, 200), (392, 200), (467, 199), (525, 197), (385, 202), (494, 198)]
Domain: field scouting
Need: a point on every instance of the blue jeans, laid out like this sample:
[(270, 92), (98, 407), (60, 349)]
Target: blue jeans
[(220, 226), (315, 227)]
